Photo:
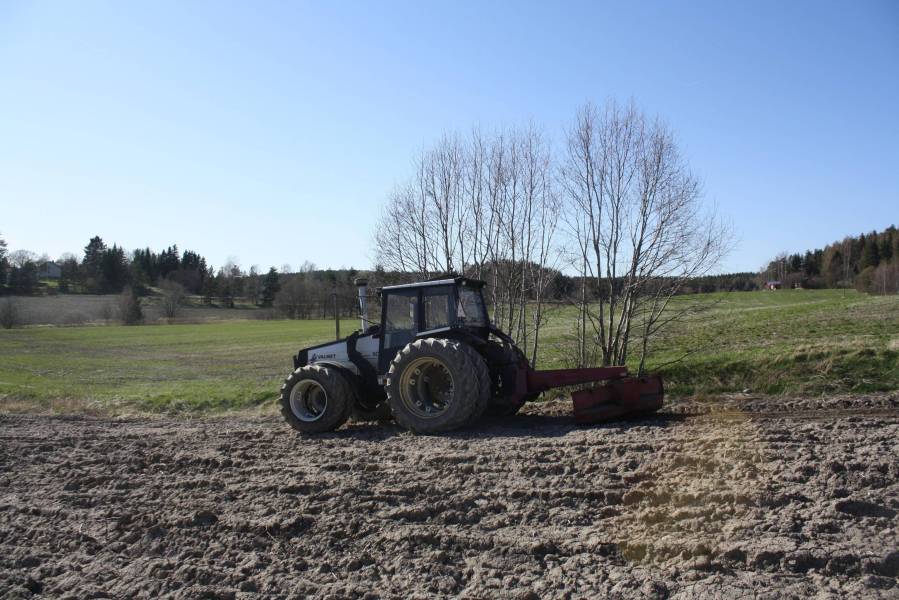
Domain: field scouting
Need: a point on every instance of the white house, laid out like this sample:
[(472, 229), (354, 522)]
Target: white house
[(50, 270)]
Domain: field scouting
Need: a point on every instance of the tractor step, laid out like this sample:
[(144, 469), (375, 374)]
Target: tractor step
[(628, 396)]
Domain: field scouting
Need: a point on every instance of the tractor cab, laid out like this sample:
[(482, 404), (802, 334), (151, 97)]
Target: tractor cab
[(429, 309)]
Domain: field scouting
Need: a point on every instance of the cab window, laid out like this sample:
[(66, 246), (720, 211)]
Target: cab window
[(401, 311), (471, 310), (436, 303)]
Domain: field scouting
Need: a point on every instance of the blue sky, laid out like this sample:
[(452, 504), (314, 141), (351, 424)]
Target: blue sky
[(272, 131)]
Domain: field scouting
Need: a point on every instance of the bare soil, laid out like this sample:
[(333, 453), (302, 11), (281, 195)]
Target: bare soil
[(743, 497)]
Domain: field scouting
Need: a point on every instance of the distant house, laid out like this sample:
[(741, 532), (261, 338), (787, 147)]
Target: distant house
[(50, 270), (773, 285)]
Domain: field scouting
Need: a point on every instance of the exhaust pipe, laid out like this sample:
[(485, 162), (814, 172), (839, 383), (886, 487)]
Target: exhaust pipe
[(362, 289)]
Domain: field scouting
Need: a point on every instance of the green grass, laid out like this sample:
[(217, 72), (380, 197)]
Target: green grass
[(165, 368), (787, 341), (799, 341)]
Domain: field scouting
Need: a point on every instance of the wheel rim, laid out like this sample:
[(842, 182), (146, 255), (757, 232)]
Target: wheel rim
[(426, 388), (308, 400)]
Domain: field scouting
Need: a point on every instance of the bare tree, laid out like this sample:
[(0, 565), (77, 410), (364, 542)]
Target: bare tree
[(130, 312), (533, 235), (639, 230), (20, 258), (490, 206), (293, 298), (173, 295), (402, 237), (253, 287), (847, 259), (9, 313)]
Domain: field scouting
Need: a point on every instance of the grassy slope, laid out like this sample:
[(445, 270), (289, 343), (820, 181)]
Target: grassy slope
[(806, 341), (785, 341)]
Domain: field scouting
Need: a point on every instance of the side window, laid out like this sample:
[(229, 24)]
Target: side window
[(401, 311), (471, 308), (436, 302)]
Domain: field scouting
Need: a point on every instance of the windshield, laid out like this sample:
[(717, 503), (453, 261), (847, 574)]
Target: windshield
[(471, 309)]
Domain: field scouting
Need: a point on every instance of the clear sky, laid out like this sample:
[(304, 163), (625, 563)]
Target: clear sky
[(271, 131)]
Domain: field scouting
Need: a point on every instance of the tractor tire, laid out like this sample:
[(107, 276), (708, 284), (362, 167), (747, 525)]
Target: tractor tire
[(368, 407), (432, 385), (509, 409), (484, 384), (503, 357), (379, 414), (315, 399)]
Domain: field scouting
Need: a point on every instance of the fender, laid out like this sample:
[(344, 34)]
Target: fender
[(363, 368), (347, 366)]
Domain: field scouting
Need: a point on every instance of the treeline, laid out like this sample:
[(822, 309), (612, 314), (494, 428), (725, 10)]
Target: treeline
[(317, 294), (563, 288), (868, 262), (103, 269), (727, 282)]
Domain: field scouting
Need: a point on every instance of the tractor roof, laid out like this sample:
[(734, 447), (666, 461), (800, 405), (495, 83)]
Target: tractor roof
[(455, 280)]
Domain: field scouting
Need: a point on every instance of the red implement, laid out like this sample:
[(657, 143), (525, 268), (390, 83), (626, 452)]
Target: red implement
[(622, 397), (618, 396)]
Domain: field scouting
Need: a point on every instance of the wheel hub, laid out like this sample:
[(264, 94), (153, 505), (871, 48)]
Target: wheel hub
[(427, 387), (308, 400)]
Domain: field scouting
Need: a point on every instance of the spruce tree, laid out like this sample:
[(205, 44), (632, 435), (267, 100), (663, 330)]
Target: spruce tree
[(870, 255), (92, 262), (886, 246), (270, 287), (210, 290), (113, 270)]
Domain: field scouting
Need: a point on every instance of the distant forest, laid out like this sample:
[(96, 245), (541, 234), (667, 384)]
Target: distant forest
[(304, 293), (104, 269), (869, 263)]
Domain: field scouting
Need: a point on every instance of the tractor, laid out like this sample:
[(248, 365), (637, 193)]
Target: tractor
[(435, 363)]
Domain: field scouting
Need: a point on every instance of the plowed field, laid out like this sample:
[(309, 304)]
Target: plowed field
[(787, 497)]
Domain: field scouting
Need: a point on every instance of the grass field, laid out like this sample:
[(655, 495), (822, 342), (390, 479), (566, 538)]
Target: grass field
[(796, 341), (221, 365)]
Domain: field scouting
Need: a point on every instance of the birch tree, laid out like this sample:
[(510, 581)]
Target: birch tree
[(484, 207), (489, 206), (639, 231)]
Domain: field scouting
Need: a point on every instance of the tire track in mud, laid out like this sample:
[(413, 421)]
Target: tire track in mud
[(751, 495)]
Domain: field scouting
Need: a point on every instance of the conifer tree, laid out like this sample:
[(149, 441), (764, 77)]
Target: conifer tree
[(270, 287), (3, 264), (870, 254), (93, 256), (886, 246)]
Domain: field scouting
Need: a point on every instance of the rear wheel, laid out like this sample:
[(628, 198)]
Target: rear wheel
[(432, 385), (484, 383), (316, 399), (506, 361)]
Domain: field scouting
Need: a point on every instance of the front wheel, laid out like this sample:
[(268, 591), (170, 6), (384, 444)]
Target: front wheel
[(315, 399)]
